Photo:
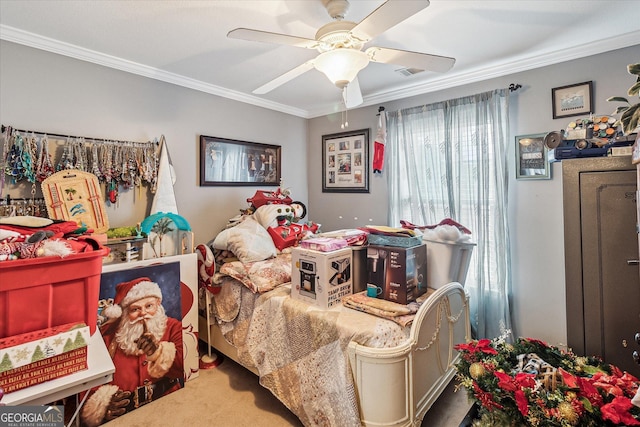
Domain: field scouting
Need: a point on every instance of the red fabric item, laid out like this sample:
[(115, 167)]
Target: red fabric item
[(378, 157), (79, 246), (58, 229)]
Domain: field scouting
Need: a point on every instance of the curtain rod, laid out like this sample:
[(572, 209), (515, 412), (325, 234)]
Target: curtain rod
[(97, 140), (514, 87), (10, 199)]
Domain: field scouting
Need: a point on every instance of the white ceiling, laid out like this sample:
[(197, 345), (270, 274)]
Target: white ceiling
[(185, 43)]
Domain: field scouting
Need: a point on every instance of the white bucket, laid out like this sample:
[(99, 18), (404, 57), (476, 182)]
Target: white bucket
[(447, 262)]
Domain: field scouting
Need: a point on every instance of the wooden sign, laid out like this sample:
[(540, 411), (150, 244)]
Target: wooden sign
[(74, 195)]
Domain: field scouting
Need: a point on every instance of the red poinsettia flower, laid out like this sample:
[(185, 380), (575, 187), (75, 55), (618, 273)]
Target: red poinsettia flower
[(569, 379), (607, 383), (618, 412), (629, 384), (588, 390), (535, 341), (523, 379), (505, 381), (522, 402), (485, 398), (483, 345)]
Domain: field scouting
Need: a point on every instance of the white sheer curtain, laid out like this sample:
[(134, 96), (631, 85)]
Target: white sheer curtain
[(449, 160)]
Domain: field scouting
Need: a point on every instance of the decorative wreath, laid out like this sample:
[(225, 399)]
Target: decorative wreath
[(530, 383)]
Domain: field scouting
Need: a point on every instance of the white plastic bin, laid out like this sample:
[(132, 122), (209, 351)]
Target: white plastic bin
[(447, 262)]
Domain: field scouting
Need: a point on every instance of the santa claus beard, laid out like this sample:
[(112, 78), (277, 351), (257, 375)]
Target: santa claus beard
[(128, 332)]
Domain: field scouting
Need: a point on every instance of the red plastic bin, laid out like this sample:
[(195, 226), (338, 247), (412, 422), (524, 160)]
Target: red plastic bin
[(44, 292)]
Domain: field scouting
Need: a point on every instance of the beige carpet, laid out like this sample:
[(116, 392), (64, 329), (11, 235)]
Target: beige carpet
[(230, 396)]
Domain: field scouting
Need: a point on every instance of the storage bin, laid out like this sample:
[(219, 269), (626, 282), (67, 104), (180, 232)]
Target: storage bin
[(447, 262), (35, 357), (40, 293)]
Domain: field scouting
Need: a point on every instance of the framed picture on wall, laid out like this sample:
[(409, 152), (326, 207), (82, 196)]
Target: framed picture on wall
[(572, 100), (228, 162), (532, 157), (345, 162)]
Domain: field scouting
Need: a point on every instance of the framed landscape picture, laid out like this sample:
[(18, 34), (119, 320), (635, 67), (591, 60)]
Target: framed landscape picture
[(572, 100)]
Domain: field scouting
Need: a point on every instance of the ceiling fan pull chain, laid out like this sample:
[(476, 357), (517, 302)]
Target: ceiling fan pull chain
[(345, 123)]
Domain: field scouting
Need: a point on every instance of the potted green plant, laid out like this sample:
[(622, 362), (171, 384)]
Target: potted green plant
[(630, 112)]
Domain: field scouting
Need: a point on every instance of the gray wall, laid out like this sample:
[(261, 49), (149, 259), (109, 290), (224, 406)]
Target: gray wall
[(52, 93), (535, 207)]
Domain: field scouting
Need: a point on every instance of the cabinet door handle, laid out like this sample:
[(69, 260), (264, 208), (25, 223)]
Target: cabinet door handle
[(636, 357), (633, 262), (637, 337)]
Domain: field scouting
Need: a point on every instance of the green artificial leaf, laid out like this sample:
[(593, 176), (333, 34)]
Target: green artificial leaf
[(630, 113), (619, 110), (618, 99), (630, 119)]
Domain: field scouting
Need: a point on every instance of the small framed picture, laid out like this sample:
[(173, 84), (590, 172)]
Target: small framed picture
[(345, 162), (572, 100), (532, 157)]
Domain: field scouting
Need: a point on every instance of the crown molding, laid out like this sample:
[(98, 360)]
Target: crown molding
[(498, 69), (55, 46)]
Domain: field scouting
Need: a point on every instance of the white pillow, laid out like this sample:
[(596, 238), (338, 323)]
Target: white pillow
[(249, 241)]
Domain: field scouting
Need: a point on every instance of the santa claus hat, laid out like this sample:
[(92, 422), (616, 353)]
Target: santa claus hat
[(129, 292)]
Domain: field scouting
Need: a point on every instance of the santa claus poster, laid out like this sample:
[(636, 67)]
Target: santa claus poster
[(140, 319)]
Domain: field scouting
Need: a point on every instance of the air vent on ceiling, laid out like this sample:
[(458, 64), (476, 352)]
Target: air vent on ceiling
[(409, 71)]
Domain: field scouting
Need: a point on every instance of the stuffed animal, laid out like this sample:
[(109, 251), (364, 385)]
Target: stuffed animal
[(272, 215)]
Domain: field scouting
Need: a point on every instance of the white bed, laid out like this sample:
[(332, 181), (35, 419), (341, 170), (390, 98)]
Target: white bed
[(347, 366)]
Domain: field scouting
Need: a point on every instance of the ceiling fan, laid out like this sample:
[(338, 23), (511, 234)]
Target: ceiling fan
[(341, 44)]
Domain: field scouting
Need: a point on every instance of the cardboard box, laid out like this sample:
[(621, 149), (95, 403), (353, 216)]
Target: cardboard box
[(39, 356), (321, 278), (40, 293), (399, 273)]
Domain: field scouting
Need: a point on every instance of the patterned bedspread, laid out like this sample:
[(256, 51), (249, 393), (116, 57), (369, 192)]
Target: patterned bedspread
[(300, 351)]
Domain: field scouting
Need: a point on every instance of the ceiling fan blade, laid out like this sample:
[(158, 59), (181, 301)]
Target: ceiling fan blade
[(267, 37), (351, 94), (284, 78), (422, 61), (387, 15)]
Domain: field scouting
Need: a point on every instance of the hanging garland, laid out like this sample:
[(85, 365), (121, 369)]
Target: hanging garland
[(44, 166), (115, 163)]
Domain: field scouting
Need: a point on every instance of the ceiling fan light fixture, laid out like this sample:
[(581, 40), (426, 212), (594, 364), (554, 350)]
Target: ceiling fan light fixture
[(341, 66)]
